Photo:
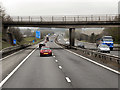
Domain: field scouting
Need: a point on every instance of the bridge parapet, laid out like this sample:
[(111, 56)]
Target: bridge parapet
[(79, 18)]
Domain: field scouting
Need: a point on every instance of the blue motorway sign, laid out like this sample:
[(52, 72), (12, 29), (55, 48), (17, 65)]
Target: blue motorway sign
[(33, 41), (37, 34), (14, 41)]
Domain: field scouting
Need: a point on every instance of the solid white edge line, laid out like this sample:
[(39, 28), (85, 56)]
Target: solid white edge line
[(5, 80), (60, 67), (13, 54), (68, 79), (10, 55), (108, 68)]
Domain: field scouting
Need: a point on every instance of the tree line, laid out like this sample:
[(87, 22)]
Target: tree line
[(114, 32)]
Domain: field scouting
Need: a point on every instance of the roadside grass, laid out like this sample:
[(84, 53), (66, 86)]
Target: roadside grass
[(27, 40), (5, 44)]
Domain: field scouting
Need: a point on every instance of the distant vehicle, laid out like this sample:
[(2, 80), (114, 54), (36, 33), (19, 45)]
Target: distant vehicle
[(81, 45), (47, 38), (67, 42), (41, 44), (103, 48), (45, 51), (106, 40)]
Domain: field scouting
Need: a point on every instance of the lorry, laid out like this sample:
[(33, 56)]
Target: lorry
[(106, 40)]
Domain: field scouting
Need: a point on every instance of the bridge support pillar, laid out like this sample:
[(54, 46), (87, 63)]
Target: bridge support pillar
[(4, 32), (6, 35), (72, 36)]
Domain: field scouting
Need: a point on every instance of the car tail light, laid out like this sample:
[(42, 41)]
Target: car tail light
[(41, 51)]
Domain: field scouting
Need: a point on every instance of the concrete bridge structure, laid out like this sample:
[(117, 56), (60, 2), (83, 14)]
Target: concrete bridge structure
[(71, 22)]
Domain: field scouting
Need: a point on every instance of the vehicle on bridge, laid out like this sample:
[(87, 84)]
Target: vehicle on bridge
[(103, 48), (45, 51), (106, 40)]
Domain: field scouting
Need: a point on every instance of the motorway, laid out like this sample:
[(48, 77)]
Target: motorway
[(87, 45), (62, 70)]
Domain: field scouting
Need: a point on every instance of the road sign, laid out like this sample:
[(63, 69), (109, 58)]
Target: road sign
[(37, 34), (33, 41), (14, 41)]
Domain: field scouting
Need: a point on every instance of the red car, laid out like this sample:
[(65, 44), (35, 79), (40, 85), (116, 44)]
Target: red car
[(45, 51)]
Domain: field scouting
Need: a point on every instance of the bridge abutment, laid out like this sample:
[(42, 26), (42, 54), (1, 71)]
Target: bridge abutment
[(4, 32), (6, 35), (72, 36)]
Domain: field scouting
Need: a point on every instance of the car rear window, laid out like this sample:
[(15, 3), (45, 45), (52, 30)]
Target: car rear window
[(45, 48)]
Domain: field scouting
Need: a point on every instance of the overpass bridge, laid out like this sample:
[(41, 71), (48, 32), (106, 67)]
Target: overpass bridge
[(71, 22), (64, 21)]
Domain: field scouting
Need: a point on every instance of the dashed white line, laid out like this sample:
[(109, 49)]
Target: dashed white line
[(108, 68), (60, 67), (5, 80), (68, 79), (52, 53), (53, 56), (56, 60)]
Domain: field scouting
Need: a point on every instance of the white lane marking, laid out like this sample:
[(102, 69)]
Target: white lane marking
[(14, 54), (56, 60), (68, 79), (52, 53), (108, 68), (53, 56), (5, 80), (60, 67), (10, 55)]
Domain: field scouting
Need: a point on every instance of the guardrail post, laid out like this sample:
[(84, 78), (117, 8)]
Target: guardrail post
[(74, 19), (18, 18), (21, 19), (86, 18), (65, 18), (91, 17), (41, 18), (99, 18), (78, 18), (106, 17), (52, 18), (29, 18)]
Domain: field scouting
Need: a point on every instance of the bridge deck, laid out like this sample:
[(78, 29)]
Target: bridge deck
[(64, 21)]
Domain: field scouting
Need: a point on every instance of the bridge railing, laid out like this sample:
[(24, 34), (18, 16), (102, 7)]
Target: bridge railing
[(64, 18)]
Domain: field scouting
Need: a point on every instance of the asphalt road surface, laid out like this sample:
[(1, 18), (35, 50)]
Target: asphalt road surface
[(63, 70)]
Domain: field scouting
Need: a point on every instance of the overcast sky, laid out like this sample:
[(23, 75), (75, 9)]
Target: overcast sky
[(59, 7)]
